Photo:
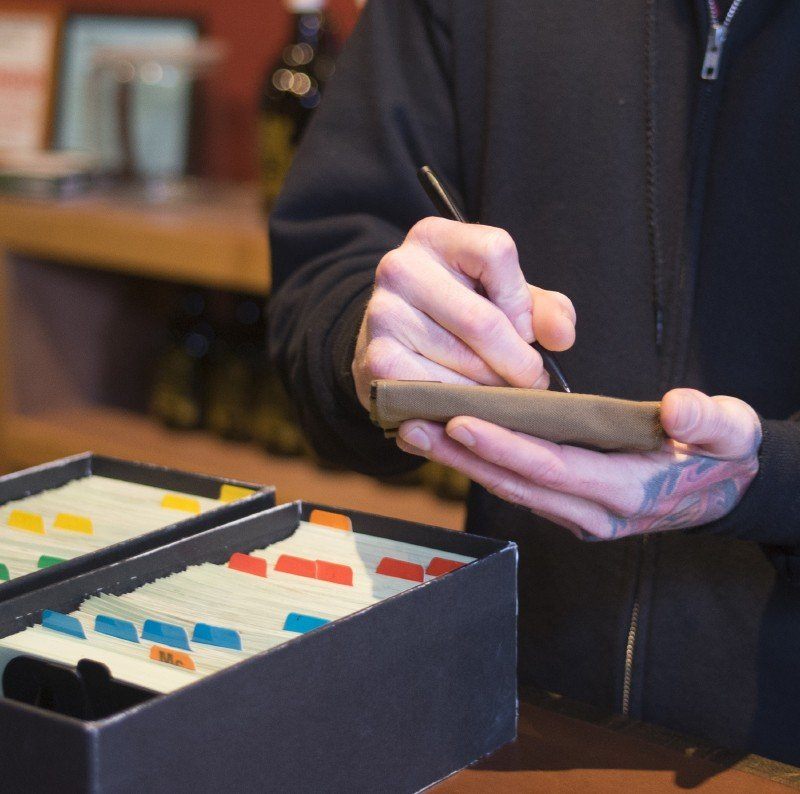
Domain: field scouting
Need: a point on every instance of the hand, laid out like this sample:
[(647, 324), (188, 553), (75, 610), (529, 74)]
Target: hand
[(698, 476), (451, 304)]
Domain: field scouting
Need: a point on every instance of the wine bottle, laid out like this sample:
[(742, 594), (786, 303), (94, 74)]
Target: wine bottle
[(177, 396), (292, 90), (235, 355)]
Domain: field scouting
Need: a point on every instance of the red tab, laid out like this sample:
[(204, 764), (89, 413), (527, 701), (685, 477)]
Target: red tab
[(439, 565), (296, 565), (401, 569), (334, 572), (248, 564)]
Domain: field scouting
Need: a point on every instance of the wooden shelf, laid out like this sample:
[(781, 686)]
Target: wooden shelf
[(217, 239), (28, 440)]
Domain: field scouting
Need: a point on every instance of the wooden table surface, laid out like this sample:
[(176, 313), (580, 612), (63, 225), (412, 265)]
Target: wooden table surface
[(557, 753)]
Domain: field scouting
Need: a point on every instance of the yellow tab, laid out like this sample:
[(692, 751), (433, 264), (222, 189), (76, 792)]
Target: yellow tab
[(30, 522), (175, 501), (333, 520), (73, 523), (230, 493), (159, 653)]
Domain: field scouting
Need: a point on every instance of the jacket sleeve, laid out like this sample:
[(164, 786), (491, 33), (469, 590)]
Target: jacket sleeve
[(351, 195), (769, 511)]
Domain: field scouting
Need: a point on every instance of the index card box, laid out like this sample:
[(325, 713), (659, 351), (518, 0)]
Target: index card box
[(392, 698)]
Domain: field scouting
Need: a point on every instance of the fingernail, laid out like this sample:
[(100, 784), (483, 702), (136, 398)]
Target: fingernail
[(417, 437), (462, 435), (688, 415), (524, 326)]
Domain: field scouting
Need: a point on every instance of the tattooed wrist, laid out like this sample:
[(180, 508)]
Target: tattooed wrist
[(691, 491)]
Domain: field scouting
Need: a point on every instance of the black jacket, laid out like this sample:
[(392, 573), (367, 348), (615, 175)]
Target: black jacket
[(666, 207)]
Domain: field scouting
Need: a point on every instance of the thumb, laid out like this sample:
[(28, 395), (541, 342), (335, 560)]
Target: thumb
[(720, 426)]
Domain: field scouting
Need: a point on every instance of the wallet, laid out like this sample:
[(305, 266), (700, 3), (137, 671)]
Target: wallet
[(584, 420)]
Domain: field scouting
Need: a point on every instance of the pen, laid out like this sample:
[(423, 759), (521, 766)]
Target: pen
[(447, 209)]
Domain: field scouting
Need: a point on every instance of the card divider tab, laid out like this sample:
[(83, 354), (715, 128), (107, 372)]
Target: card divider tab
[(212, 545)]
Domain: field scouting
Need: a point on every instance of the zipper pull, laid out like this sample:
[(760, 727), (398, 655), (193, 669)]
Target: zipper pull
[(716, 40)]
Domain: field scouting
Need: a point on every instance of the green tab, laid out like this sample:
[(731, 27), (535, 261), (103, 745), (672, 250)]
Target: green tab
[(4, 577), (45, 561)]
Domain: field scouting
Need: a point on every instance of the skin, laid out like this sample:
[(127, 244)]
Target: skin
[(451, 304)]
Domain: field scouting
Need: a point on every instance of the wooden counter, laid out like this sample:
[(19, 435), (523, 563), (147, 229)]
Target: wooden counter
[(560, 754)]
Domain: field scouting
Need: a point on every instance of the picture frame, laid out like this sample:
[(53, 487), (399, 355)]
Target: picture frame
[(29, 44), (84, 123)]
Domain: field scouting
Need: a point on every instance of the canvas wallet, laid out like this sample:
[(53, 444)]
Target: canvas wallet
[(585, 420)]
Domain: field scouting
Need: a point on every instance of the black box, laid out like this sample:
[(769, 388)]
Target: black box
[(392, 698), (59, 472)]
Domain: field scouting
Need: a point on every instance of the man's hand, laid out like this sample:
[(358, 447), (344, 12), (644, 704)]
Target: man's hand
[(698, 476), (451, 304)]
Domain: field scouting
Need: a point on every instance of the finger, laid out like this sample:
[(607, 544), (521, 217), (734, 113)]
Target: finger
[(389, 315), (486, 254), (722, 427), (553, 319), (472, 318), (612, 480), (386, 358), (429, 440)]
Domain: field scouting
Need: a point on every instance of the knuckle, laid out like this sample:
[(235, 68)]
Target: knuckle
[(507, 489), (499, 247), (381, 311), (549, 473), (486, 325), (526, 367), (465, 361), (392, 268), (381, 359), (425, 229)]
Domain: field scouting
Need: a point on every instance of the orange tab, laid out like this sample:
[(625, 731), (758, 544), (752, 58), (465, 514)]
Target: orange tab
[(175, 501), (334, 572), (439, 565), (297, 565), (159, 653), (246, 563), (72, 523), (30, 522), (333, 520), (400, 569), (230, 493)]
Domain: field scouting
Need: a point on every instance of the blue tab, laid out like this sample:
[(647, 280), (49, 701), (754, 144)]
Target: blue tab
[(66, 624), (217, 635), (166, 634), (302, 623), (116, 627)]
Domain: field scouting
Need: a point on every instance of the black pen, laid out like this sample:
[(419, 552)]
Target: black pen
[(447, 209)]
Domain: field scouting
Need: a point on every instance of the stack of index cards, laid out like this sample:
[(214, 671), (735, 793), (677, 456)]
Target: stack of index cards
[(86, 506), (82, 516), (170, 632)]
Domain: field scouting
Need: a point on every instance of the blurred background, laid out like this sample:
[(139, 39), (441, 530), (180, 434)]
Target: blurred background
[(142, 144)]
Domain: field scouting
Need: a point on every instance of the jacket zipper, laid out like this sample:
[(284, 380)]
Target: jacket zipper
[(633, 629), (717, 35)]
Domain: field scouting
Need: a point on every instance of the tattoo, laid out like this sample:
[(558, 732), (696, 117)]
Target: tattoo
[(689, 493)]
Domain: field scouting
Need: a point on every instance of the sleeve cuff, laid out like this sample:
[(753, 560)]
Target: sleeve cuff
[(343, 348), (769, 510)]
